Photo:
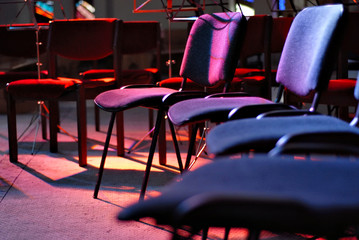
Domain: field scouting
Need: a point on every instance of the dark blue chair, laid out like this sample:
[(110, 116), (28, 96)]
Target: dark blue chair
[(261, 193), (210, 56)]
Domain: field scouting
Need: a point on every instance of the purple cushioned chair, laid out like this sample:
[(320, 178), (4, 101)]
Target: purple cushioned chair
[(210, 56)]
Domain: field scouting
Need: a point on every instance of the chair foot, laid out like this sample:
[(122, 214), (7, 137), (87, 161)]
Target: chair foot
[(104, 154)]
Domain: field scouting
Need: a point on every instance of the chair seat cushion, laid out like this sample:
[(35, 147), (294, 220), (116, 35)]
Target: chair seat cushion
[(262, 134), (42, 89), (213, 109), (122, 99), (261, 192)]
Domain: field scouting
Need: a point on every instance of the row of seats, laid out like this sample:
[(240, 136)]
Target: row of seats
[(267, 191), (77, 40), (214, 46)]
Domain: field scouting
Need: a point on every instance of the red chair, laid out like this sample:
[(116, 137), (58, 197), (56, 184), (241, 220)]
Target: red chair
[(259, 81), (70, 39)]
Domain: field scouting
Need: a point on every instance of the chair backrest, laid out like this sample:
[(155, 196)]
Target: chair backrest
[(213, 47), (257, 37), (143, 37), (280, 29), (349, 45), (76, 39), (19, 40), (311, 49)]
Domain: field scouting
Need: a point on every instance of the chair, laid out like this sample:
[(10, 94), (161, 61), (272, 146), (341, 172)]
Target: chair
[(261, 193), (134, 44), (340, 91), (256, 42), (210, 57), (305, 65), (255, 80), (85, 39)]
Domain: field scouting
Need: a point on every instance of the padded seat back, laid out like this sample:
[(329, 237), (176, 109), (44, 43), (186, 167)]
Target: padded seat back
[(89, 39), (210, 55), (308, 57)]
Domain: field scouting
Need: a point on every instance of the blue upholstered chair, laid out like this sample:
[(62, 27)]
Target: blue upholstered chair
[(210, 56)]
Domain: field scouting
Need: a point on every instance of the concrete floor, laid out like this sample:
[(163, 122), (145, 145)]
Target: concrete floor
[(48, 196)]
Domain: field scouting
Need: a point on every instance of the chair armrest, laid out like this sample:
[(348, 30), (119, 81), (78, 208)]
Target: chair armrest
[(257, 109), (176, 97), (331, 142), (229, 94), (287, 113)]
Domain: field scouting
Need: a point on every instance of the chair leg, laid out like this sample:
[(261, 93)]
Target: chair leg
[(205, 233), (226, 233), (81, 126), (191, 146), (150, 121), (104, 154), (12, 133), (97, 118), (253, 234), (156, 132), (175, 143), (54, 120), (43, 121), (120, 134), (162, 143)]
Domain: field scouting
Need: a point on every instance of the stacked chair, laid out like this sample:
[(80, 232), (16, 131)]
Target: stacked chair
[(210, 56), (272, 193), (76, 40)]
